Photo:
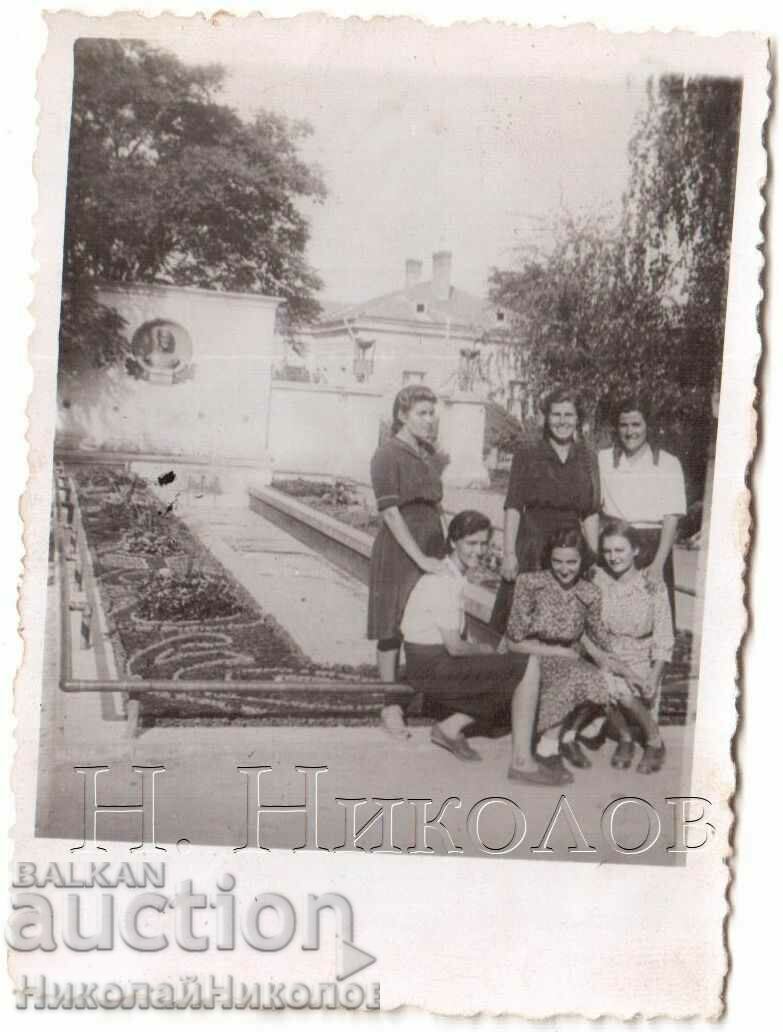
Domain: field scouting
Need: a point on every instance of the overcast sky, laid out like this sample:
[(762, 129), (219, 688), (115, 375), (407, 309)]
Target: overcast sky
[(415, 161)]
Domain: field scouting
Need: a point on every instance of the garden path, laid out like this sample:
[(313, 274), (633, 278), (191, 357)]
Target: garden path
[(323, 609)]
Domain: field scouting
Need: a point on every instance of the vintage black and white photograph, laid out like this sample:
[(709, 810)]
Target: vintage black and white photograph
[(394, 395), (387, 402)]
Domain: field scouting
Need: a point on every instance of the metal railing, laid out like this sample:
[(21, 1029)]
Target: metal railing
[(71, 546)]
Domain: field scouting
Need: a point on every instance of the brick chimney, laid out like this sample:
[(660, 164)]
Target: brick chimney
[(413, 269), (441, 275)]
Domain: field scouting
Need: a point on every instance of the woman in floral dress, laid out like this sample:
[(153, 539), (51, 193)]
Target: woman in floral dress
[(552, 612), (636, 612)]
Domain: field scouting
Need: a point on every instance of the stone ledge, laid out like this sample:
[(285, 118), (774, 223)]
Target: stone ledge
[(349, 548), (327, 525)]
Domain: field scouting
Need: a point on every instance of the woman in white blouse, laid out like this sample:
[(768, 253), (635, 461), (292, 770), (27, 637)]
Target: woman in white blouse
[(643, 485), (463, 681)]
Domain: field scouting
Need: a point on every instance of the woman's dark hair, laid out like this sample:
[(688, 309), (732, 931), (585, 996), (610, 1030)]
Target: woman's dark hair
[(619, 528), (569, 537), (465, 523), (637, 403), (634, 403), (406, 399), (559, 396)]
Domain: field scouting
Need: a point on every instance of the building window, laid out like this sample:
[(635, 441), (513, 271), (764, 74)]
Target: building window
[(469, 373), (363, 358), (421, 307), (412, 376), (501, 316)]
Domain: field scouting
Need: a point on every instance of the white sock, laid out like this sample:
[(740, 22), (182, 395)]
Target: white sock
[(593, 728), (549, 745)]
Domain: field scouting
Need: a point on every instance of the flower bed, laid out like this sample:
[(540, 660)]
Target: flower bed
[(339, 500), (173, 611)]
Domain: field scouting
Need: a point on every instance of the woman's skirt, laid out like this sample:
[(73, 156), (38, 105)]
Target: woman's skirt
[(535, 528), (478, 686), (393, 573), (649, 539), (565, 684)]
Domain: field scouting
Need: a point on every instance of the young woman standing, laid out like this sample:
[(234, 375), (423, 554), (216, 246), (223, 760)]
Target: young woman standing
[(553, 486), (644, 486), (408, 492)]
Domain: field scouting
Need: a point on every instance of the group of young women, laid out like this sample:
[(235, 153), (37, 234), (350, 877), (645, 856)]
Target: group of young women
[(584, 610)]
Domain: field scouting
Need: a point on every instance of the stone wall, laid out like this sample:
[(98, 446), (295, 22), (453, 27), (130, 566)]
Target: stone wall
[(461, 436), (202, 364), (322, 430), (201, 387), (315, 429)]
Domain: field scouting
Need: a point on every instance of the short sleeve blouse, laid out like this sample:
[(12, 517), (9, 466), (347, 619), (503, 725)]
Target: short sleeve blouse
[(637, 608), (540, 480), (642, 490), (436, 603), (542, 609), (400, 475)]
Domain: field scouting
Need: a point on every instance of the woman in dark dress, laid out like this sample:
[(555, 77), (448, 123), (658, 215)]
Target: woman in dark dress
[(408, 493), (553, 486)]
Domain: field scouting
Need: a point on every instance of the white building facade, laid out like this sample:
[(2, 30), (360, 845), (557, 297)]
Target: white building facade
[(427, 332)]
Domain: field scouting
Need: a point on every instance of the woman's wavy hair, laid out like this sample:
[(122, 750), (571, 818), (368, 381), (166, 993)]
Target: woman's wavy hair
[(569, 537), (636, 403), (406, 399), (465, 523), (559, 395), (618, 528)]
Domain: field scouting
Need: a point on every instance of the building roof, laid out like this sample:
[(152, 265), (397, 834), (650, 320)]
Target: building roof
[(461, 309)]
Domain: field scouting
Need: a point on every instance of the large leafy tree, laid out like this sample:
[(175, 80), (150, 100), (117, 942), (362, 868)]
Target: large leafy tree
[(582, 308), (639, 304), (165, 184), (680, 205)]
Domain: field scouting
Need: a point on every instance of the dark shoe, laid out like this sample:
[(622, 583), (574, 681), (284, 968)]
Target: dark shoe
[(541, 776), (556, 765), (572, 751), (597, 741), (652, 759), (456, 746), (623, 754)]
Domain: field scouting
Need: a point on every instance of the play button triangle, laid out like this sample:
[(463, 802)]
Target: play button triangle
[(354, 960)]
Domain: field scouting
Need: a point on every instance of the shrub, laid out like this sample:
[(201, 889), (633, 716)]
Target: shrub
[(191, 596)]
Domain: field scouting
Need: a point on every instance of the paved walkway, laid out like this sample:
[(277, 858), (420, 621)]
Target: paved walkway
[(323, 609)]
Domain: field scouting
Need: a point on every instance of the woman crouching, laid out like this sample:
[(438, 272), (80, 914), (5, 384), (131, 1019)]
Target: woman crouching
[(554, 613), (462, 681), (638, 617)]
